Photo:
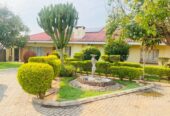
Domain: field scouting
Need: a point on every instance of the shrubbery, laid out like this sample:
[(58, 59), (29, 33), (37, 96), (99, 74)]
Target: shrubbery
[(89, 51), (123, 72), (51, 60), (27, 55), (129, 64), (86, 66), (111, 58), (103, 67), (117, 47), (67, 71), (35, 78), (158, 70), (78, 56)]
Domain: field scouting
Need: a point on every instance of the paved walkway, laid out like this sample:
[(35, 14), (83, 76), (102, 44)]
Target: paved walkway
[(15, 102)]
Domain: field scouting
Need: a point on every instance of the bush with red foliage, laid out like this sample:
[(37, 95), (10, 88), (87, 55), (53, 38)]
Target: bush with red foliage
[(27, 55)]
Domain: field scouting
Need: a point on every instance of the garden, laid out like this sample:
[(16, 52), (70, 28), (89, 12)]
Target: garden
[(88, 73)]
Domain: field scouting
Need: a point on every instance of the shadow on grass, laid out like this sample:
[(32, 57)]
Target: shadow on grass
[(3, 88)]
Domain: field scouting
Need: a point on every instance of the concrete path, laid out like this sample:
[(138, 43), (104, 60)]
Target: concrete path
[(15, 102)]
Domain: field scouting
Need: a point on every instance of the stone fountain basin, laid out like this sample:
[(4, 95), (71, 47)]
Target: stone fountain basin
[(95, 81)]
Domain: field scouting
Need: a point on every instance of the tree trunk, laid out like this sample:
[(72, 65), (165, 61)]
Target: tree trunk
[(41, 95), (143, 55), (61, 56)]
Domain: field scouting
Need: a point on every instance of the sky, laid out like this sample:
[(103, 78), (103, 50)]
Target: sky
[(92, 13)]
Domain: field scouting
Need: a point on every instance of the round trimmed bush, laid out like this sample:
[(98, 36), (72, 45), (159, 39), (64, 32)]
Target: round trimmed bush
[(91, 50), (67, 71), (35, 78)]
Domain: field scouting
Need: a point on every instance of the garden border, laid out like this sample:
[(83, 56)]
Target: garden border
[(89, 99)]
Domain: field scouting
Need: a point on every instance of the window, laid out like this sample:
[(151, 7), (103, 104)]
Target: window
[(68, 50), (150, 56), (38, 50)]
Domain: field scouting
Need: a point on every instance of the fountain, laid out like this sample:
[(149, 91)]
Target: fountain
[(93, 81)]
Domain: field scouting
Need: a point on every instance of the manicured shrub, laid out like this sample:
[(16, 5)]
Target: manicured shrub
[(158, 70), (129, 72), (67, 71), (103, 67), (114, 58), (55, 53), (86, 66), (51, 60), (27, 55), (77, 65), (78, 56), (117, 47), (35, 78), (89, 51), (105, 58), (68, 60), (129, 64)]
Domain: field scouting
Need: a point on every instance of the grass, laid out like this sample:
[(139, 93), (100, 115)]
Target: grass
[(68, 92), (6, 65)]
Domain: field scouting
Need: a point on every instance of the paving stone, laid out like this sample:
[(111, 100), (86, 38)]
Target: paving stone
[(15, 102)]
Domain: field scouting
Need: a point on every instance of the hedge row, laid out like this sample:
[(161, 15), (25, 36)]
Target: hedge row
[(158, 70), (129, 64), (124, 71)]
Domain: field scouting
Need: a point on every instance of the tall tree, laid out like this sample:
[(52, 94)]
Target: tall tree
[(58, 22), (12, 31)]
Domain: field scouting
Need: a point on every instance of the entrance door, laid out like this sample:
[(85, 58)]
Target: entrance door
[(16, 54)]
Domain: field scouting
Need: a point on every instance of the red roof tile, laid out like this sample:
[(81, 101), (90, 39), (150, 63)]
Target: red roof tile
[(89, 37)]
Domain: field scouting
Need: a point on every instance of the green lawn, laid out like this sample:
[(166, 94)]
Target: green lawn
[(6, 65), (67, 92)]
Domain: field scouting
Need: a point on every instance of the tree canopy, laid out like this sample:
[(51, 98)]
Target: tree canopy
[(147, 21), (12, 31), (58, 22)]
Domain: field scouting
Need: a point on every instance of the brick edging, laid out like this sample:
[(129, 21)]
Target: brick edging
[(89, 99)]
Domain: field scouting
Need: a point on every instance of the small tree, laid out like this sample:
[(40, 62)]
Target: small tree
[(58, 22), (11, 28)]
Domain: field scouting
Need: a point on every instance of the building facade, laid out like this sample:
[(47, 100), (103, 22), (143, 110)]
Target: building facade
[(42, 44)]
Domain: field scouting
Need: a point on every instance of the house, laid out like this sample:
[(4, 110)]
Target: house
[(42, 44)]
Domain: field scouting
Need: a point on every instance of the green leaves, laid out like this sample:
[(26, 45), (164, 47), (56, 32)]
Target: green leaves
[(11, 28), (58, 22)]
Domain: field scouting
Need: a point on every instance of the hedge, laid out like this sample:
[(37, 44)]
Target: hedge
[(87, 52), (158, 70), (128, 64), (103, 67), (129, 72), (51, 60), (67, 71), (78, 56), (35, 78)]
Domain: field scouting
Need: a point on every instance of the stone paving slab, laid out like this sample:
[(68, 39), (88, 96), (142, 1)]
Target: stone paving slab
[(15, 102)]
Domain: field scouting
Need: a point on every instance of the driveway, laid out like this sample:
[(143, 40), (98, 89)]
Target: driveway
[(15, 102)]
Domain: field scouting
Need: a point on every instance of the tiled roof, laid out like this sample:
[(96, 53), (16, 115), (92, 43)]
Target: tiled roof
[(93, 36)]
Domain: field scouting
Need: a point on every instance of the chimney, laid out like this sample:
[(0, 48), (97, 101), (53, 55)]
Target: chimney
[(79, 32)]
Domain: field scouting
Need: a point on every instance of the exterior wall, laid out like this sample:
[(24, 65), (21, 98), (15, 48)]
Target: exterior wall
[(134, 51), (47, 48), (134, 54), (79, 47)]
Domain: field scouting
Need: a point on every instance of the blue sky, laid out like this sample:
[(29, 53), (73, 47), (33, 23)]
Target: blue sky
[(92, 13)]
